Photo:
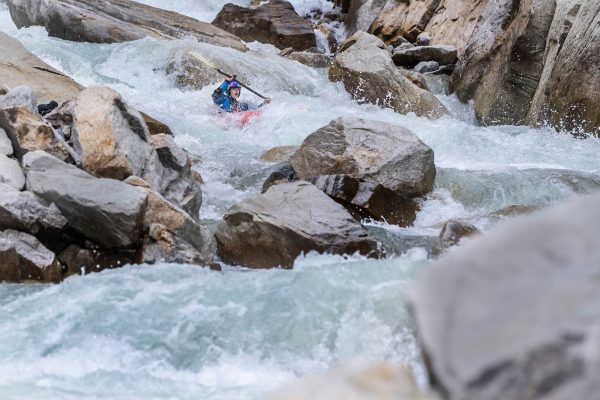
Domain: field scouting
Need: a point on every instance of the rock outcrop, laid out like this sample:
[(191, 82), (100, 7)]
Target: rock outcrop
[(513, 315), (272, 229), (367, 165), (114, 21), (274, 22), (366, 68)]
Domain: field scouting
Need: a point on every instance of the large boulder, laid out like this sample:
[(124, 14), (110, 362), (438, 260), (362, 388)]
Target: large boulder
[(106, 211), (412, 56), (366, 68), (114, 21), (370, 165), (274, 22), (513, 314), (272, 229), (11, 172), (24, 258)]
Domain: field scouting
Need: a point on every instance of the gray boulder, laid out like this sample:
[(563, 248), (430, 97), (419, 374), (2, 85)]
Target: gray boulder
[(513, 314), (364, 65), (426, 66), (5, 144), (373, 166), (283, 173), (106, 211), (409, 58), (24, 258), (423, 39), (272, 229), (453, 231), (11, 172)]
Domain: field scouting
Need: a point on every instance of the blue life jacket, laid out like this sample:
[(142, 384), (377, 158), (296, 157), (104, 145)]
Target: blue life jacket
[(221, 98)]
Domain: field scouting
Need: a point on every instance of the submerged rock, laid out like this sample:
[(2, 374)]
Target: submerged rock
[(272, 229), (518, 308), (366, 68), (274, 22), (373, 166)]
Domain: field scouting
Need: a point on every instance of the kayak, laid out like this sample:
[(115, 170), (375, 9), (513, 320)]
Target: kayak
[(242, 118)]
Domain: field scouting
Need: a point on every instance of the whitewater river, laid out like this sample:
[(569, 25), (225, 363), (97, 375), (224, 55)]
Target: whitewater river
[(183, 332)]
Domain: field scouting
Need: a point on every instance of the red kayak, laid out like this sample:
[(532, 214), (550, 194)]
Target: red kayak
[(245, 116)]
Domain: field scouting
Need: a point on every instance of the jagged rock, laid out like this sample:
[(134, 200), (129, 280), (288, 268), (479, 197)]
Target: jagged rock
[(278, 154), (106, 211), (11, 172), (272, 229), (282, 174), (25, 128), (361, 15), (117, 21), (517, 307), (314, 60), (370, 165), (427, 66), (24, 211), (24, 258), (453, 231), (5, 144), (410, 57), (358, 380), (275, 22), (365, 67)]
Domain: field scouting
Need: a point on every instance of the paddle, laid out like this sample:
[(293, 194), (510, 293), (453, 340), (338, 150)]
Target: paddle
[(211, 65)]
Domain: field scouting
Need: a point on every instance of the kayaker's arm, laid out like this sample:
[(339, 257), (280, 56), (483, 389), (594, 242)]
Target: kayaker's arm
[(264, 103)]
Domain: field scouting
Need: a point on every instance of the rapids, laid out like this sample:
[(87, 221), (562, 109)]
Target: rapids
[(173, 331)]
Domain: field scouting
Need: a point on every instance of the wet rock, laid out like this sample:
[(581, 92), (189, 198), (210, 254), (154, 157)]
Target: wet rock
[(518, 309), (278, 154), (272, 229), (357, 380), (369, 75), (117, 21), (283, 173), (25, 128), (106, 211), (423, 39), (374, 166), (275, 22), (453, 231), (409, 58), (11, 172), (24, 258), (314, 60), (427, 66), (5, 144), (84, 260)]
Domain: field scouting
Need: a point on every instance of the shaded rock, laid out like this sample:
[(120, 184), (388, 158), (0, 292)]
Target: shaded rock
[(283, 173), (11, 172), (314, 60), (518, 309), (116, 21), (275, 22), (374, 166), (274, 228), (24, 211), (427, 66), (156, 127), (423, 39), (357, 380), (453, 231), (278, 153), (5, 144), (369, 75), (25, 128), (106, 211), (84, 260), (415, 77), (24, 258), (410, 57)]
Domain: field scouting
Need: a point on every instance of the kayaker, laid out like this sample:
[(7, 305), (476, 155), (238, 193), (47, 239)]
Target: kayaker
[(226, 95)]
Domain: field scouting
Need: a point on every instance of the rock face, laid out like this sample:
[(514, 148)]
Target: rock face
[(275, 22), (373, 166), (114, 221), (410, 57), (366, 68), (23, 258), (274, 228), (513, 315), (114, 21)]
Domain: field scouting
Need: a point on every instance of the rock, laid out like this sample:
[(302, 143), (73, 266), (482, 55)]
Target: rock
[(427, 66), (24, 258), (453, 231), (24, 211), (275, 22), (272, 229), (361, 15), (518, 309), (106, 211), (415, 77), (278, 154), (371, 165), (283, 173), (423, 39), (313, 60), (26, 129), (156, 127), (11, 173), (404, 46), (85, 260), (369, 75), (5, 144), (188, 73), (117, 21), (358, 380), (410, 57)]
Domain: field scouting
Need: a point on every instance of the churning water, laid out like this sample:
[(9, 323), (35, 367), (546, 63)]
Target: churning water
[(182, 332)]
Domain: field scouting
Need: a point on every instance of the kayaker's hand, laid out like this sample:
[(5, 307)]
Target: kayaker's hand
[(231, 78), (267, 100)]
